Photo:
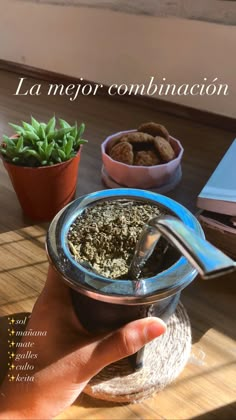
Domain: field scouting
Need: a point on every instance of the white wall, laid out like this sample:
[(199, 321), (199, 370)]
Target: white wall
[(108, 47)]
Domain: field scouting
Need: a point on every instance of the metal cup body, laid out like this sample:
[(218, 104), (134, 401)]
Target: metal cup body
[(103, 304)]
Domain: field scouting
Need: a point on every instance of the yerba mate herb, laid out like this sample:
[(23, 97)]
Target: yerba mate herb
[(105, 235)]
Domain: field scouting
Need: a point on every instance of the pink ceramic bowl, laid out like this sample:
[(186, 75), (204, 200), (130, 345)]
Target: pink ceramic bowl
[(141, 176)]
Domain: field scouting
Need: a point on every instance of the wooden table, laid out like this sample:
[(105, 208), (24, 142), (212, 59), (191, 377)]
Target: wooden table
[(207, 386)]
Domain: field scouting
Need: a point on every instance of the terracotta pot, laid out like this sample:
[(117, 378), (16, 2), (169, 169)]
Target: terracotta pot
[(45, 190)]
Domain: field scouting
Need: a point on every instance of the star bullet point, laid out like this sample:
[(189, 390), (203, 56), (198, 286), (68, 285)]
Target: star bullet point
[(11, 366), (11, 332)]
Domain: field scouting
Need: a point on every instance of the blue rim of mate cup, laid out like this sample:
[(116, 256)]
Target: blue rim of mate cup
[(160, 286)]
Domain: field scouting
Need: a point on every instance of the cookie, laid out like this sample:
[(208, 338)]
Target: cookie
[(164, 149), (136, 137), (146, 158), (112, 143), (154, 130), (122, 152)]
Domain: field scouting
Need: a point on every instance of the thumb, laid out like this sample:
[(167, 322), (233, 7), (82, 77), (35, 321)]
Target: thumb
[(122, 343)]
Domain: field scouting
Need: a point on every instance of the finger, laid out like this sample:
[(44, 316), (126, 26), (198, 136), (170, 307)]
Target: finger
[(56, 295), (121, 343), (54, 286)]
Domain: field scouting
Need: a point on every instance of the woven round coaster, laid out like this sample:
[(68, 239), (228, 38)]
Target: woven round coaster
[(164, 359)]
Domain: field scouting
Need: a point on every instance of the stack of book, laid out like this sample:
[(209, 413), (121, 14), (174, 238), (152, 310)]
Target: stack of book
[(217, 202)]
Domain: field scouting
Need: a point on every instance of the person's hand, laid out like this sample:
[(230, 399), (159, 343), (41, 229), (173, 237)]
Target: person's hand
[(68, 357)]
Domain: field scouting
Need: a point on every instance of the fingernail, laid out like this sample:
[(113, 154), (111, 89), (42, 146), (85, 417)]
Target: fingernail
[(154, 328)]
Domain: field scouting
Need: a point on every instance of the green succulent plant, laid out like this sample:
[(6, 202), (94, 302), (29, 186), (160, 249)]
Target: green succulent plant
[(40, 144)]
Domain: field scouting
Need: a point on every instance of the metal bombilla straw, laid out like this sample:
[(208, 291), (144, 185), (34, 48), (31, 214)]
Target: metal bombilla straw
[(209, 261)]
